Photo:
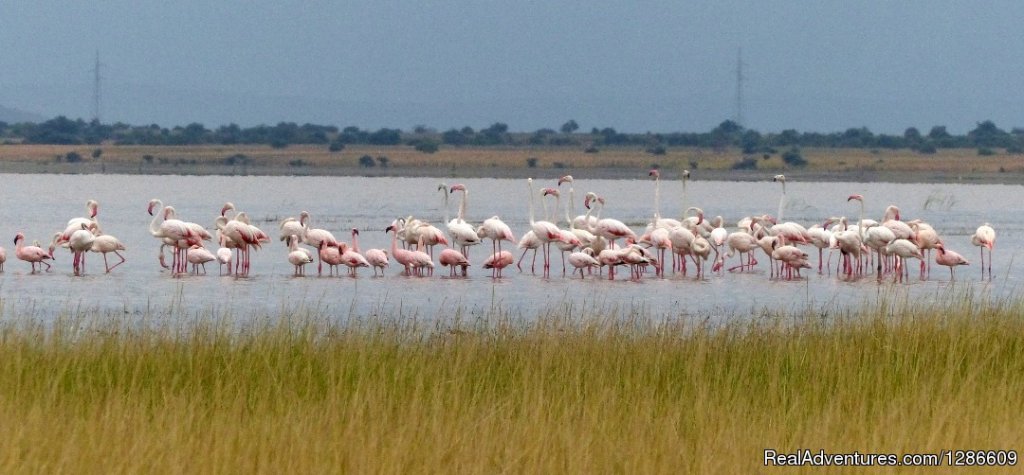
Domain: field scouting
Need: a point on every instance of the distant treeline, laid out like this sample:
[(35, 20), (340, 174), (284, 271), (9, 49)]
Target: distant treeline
[(64, 131)]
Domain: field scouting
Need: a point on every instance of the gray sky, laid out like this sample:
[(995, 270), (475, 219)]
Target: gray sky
[(653, 65)]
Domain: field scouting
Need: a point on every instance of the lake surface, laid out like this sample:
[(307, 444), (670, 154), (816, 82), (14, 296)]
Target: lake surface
[(40, 205)]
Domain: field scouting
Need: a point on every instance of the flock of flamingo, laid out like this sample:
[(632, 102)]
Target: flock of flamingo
[(591, 241)]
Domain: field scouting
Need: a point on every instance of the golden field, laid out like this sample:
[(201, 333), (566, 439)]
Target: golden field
[(960, 164), (302, 392)]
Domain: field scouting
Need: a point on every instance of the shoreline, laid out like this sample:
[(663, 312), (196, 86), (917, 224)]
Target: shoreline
[(607, 173)]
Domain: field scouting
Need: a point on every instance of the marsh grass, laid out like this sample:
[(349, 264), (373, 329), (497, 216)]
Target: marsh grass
[(567, 392)]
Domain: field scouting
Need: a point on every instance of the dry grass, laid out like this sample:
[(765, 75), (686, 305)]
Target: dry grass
[(317, 159), (580, 394)]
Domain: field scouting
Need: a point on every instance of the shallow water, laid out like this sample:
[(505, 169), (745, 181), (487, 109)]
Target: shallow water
[(40, 205)]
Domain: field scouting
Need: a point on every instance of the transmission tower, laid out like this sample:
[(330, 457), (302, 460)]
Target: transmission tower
[(739, 87), (96, 88)]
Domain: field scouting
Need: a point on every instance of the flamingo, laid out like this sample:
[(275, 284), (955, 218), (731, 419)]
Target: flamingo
[(314, 237), (926, 238), (546, 231), (498, 262), (378, 258), (404, 257), (106, 244), (581, 222), (791, 257), (331, 255), (421, 260), (297, 257), (243, 235), (528, 242), (92, 208), (31, 254), (80, 242), (171, 232), (3, 258), (351, 257), (197, 255), (583, 259), (949, 258), (452, 258), (461, 232), (821, 238), (903, 249), (660, 222), (611, 229), (985, 237), (224, 258), (568, 240), (745, 243), (496, 230)]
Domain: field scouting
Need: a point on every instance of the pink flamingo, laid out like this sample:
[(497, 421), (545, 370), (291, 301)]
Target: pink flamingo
[(528, 242), (92, 208), (106, 244), (452, 258), (903, 249), (224, 258), (197, 255), (545, 231), (985, 237), (567, 240), (610, 229), (496, 230), (31, 254), (351, 257), (171, 232), (378, 258), (791, 257), (404, 257), (3, 258), (949, 258), (80, 242), (297, 257), (462, 233), (315, 236), (498, 262), (331, 255), (583, 260)]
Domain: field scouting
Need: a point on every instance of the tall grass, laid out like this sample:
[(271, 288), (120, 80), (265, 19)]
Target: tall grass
[(560, 394)]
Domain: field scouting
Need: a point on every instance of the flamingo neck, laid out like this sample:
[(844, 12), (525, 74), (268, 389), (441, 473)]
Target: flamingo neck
[(355, 241), (782, 203), (445, 191), (154, 224), (530, 184), (462, 205), (657, 200)]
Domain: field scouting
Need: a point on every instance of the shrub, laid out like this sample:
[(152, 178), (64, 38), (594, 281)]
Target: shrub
[(297, 163), (366, 161), (793, 158), (658, 150), (383, 161), (147, 158), (986, 152), (748, 163), (693, 164), (558, 165), (531, 162), (72, 157), (336, 147), (427, 146), (96, 153), (591, 149), (236, 159), (1015, 149), (926, 148)]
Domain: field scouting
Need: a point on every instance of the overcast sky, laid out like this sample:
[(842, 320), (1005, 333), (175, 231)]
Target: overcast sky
[(654, 65)]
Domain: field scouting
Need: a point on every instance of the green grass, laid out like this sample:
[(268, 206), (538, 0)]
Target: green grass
[(302, 393)]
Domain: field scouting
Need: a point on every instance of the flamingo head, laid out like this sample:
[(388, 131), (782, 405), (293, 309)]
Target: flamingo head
[(685, 175), (700, 213), (550, 191), (303, 216), (389, 228), (168, 212), (565, 179), (654, 173), (18, 237), (591, 196), (458, 187), (856, 197), (355, 232), (779, 178), (152, 204), (94, 208), (227, 207), (829, 221), (442, 186)]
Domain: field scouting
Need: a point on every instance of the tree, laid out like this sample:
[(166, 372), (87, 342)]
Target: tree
[(366, 161), (570, 127)]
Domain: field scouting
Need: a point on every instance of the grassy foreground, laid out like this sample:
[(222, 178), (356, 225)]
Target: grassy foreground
[(559, 395)]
